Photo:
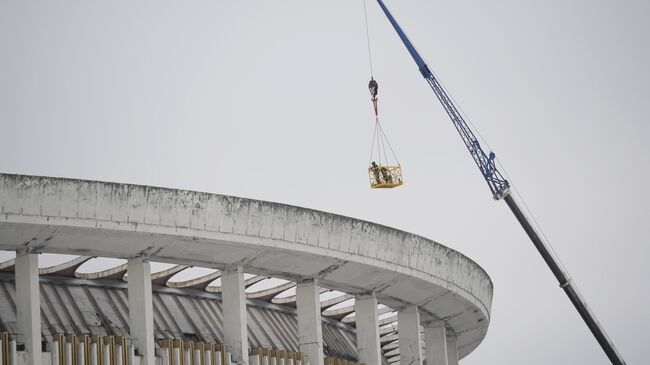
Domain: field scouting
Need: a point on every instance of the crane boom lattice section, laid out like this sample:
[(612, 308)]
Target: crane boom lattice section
[(497, 183)]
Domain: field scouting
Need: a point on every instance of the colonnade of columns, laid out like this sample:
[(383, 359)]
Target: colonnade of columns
[(441, 347)]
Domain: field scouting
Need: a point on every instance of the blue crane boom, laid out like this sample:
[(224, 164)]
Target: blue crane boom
[(497, 183), (500, 190)]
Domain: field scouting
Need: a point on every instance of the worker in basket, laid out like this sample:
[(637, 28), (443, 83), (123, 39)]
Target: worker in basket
[(376, 173), (381, 174), (386, 175)]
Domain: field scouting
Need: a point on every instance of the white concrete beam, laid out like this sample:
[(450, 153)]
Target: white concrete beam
[(435, 338), (141, 308), (28, 305), (367, 329), (234, 314), (410, 348), (452, 350), (310, 332)]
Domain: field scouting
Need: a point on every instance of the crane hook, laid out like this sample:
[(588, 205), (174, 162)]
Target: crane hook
[(373, 86)]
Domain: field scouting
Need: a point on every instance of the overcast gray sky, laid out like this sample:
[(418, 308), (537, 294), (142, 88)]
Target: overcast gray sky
[(268, 100)]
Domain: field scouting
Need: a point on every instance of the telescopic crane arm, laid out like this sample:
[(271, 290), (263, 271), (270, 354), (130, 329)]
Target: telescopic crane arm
[(500, 190)]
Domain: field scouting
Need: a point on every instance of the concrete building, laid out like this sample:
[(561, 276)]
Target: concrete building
[(350, 291)]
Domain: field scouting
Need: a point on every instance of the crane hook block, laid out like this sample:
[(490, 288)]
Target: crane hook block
[(373, 86)]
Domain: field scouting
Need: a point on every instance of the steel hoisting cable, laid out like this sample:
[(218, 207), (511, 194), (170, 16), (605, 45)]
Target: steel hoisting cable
[(372, 146), (389, 146), (365, 15), (382, 137), (379, 135), (375, 135), (377, 138)]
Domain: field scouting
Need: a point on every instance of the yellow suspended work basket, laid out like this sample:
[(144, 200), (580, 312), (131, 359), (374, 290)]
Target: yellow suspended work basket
[(384, 172), (385, 177)]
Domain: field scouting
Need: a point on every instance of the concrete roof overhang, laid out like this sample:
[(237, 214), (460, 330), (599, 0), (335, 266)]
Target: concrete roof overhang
[(92, 218)]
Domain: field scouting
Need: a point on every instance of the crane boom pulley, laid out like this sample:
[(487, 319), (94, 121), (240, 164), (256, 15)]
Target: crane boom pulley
[(500, 188)]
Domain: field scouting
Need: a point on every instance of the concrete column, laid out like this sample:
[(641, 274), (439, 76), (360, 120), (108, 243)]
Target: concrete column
[(67, 348), (81, 359), (106, 354), (54, 352), (435, 338), (164, 356), (310, 332), (93, 353), (410, 348), (28, 305), (131, 356), (186, 357), (197, 357), (177, 355), (234, 314), (207, 355), (365, 309), (119, 355), (141, 308), (452, 350)]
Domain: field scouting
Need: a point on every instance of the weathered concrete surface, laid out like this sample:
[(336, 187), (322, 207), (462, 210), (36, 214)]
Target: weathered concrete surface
[(410, 348), (28, 305), (234, 314), (141, 309), (310, 330), (368, 341), (191, 228), (435, 337), (452, 350)]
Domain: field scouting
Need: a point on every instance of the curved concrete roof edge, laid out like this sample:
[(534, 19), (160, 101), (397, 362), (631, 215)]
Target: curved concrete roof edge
[(2, 175), (393, 255)]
